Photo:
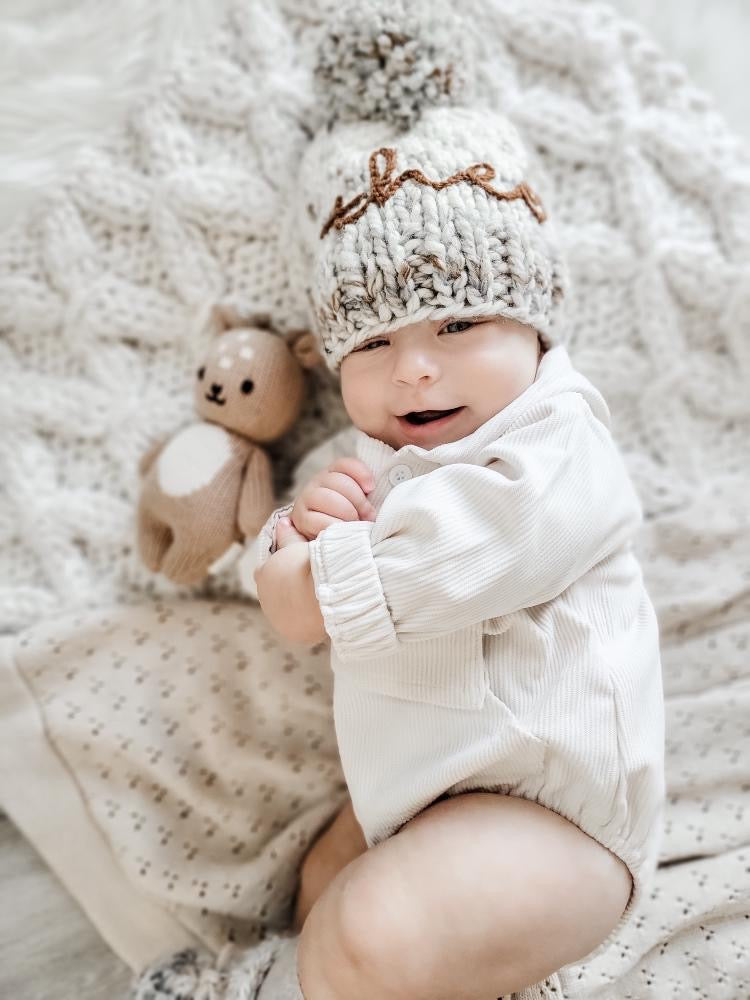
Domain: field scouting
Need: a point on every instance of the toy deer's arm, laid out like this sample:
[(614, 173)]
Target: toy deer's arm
[(256, 496), (148, 458)]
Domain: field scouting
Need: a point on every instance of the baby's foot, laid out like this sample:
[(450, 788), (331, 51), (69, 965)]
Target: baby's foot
[(282, 982), (197, 974), (178, 975)]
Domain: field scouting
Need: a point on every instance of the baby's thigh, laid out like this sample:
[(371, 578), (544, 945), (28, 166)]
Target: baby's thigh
[(483, 882)]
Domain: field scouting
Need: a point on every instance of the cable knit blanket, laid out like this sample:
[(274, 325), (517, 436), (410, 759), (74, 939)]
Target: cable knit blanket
[(167, 753)]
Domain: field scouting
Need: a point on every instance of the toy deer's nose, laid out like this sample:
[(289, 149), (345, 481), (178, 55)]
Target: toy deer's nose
[(215, 388)]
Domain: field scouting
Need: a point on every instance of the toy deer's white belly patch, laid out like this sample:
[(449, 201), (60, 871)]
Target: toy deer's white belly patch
[(192, 459)]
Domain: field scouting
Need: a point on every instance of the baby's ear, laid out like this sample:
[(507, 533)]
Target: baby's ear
[(304, 346)]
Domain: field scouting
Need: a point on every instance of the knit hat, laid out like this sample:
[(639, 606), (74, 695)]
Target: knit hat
[(415, 203)]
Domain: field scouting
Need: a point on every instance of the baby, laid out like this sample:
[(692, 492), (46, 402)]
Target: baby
[(490, 630), (467, 549)]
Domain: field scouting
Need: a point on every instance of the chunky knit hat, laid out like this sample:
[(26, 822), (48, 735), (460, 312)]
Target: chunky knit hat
[(415, 203)]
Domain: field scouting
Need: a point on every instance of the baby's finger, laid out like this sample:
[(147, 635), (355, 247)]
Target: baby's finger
[(356, 468), (316, 522), (287, 534), (349, 488), (325, 500)]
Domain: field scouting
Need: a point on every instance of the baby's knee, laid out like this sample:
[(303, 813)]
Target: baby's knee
[(326, 966), (383, 913), (356, 941)]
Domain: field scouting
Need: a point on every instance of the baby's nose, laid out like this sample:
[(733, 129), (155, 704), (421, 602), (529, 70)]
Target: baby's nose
[(416, 366)]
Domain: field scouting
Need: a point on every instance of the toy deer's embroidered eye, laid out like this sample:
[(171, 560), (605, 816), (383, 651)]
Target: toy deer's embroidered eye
[(200, 373), (247, 386)]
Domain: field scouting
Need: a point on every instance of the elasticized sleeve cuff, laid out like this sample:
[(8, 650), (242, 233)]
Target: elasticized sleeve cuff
[(349, 591)]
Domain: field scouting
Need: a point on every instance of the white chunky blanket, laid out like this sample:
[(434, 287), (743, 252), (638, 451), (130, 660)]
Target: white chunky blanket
[(104, 294)]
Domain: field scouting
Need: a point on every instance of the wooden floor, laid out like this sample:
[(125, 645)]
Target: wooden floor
[(48, 948)]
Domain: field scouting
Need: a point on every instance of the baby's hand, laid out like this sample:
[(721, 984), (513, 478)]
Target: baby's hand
[(336, 494)]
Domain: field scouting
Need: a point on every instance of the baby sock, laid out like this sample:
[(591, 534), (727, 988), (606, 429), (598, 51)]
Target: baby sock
[(266, 971), (282, 983)]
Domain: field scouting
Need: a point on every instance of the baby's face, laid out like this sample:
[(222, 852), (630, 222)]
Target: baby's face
[(474, 366)]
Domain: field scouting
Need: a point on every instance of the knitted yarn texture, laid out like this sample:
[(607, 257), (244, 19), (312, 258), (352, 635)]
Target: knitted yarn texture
[(105, 287), (390, 60), (423, 208), (450, 226), (106, 292)]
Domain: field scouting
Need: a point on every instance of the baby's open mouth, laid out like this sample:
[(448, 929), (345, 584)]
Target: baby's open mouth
[(426, 416)]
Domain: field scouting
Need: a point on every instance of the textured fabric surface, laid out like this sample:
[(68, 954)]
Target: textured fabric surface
[(463, 243), (266, 972), (104, 291), (105, 295), (199, 761), (412, 196)]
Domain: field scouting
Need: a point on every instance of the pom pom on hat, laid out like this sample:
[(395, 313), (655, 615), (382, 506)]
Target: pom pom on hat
[(389, 60)]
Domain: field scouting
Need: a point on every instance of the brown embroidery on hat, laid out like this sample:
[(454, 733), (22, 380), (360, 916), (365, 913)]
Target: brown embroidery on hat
[(383, 185)]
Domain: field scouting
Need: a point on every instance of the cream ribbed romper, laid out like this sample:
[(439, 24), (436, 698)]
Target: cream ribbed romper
[(491, 628)]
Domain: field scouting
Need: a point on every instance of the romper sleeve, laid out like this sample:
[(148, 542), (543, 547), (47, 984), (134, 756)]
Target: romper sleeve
[(467, 542)]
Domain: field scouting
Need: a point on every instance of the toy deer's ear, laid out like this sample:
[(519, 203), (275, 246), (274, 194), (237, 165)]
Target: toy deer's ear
[(304, 347), (223, 317)]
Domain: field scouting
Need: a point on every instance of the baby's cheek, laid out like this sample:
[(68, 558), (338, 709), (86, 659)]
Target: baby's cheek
[(363, 397)]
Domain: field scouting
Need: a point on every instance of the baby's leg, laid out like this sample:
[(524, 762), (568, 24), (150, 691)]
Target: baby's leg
[(479, 895), (338, 845)]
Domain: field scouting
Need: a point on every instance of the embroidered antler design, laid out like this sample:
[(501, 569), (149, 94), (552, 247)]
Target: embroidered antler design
[(383, 185)]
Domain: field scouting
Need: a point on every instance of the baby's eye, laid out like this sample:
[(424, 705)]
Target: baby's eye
[(460, 322), (371, 343)]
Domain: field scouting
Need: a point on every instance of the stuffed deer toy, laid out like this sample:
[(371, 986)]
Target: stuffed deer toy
[(210, 487)]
